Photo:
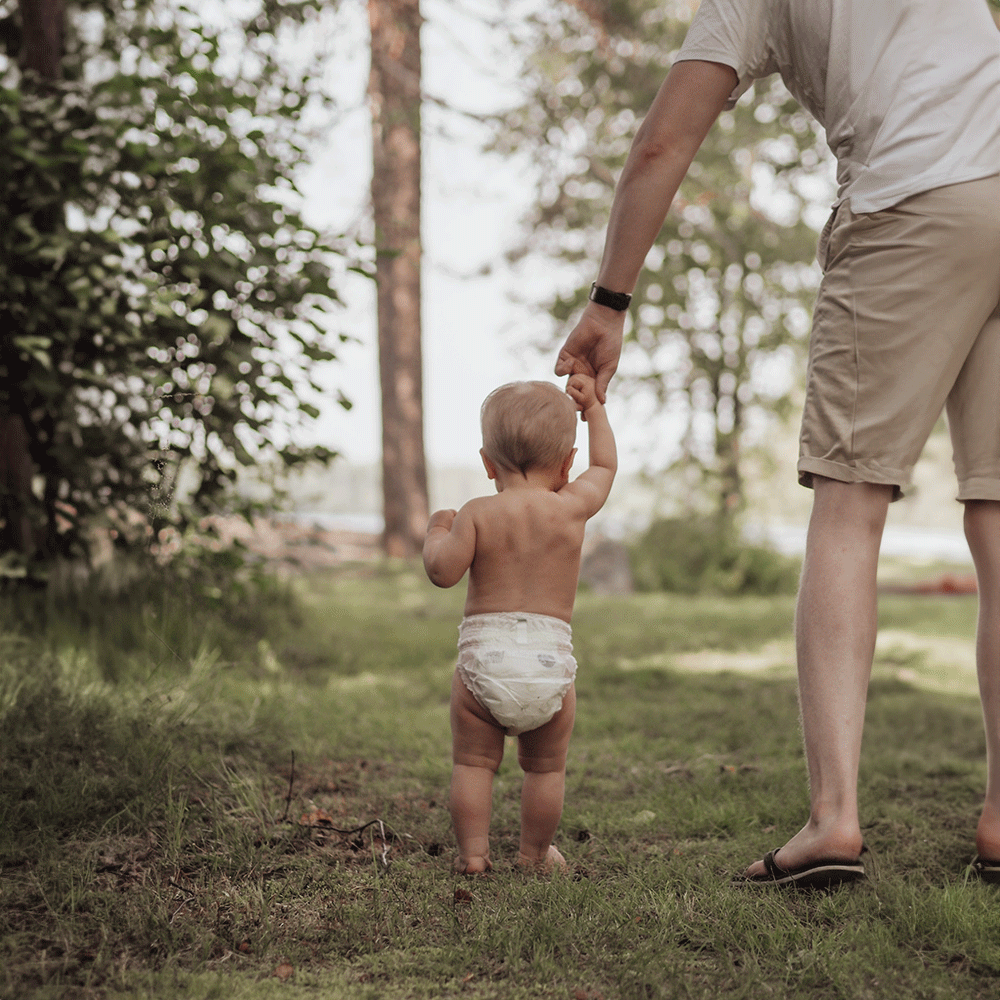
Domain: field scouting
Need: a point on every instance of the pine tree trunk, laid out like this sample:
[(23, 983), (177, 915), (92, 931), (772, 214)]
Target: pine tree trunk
[(42, 31), (394, 93), (42, 24)]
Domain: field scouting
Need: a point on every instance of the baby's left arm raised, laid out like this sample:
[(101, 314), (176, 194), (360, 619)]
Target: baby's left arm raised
[(449, 546)]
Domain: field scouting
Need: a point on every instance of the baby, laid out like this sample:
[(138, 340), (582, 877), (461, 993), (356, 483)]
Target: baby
[(522, 549)]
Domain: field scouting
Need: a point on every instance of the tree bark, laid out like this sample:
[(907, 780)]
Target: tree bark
[(394, 93), (42, 26), (41, 52)]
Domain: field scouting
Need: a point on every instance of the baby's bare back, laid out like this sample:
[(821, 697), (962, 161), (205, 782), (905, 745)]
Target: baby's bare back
[(527, 554)]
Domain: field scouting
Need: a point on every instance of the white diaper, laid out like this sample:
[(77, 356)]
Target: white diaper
[(518, 666)]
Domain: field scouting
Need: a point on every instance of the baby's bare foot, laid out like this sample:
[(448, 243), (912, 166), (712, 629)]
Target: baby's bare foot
[(472, 866), (552, 860)]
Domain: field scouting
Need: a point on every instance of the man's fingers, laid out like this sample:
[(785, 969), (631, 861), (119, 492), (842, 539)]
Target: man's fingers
[(570, 364), (601, 382)]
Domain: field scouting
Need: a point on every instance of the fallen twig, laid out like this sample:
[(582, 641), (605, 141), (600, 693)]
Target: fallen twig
[(288, 797), (385, 845), (328, 826)]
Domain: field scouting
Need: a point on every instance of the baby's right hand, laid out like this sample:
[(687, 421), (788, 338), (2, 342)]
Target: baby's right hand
[(583, 391), (442, 519)]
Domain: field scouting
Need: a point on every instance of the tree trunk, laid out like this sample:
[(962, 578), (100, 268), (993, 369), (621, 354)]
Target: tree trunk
[(42, 26), (394, 93), (16, 471), (42, 30)]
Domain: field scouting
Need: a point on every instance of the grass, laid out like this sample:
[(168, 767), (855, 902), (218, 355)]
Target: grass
[(157, 838)]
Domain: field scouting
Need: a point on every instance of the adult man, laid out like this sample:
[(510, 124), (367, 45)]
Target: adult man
[(907, 322)]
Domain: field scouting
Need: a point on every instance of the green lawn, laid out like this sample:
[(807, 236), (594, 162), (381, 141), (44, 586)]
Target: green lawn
[(157, 840)]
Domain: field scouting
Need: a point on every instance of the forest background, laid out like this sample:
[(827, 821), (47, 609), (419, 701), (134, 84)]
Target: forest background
[(217, 339)]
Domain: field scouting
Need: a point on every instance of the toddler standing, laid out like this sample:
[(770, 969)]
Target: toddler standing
[(522, 548)]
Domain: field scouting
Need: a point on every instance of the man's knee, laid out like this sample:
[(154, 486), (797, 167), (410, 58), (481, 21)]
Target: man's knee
[(982, 528), (857, 493), (978, 512), (862, 504)]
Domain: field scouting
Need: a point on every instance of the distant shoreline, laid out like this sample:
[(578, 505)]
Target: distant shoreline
[(790, 539)]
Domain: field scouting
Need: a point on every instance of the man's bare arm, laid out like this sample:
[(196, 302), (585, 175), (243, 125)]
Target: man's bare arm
[(687, 104), (684, 109)]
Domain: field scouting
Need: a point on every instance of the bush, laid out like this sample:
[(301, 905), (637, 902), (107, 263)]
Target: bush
[(698, 555), (133, 612)]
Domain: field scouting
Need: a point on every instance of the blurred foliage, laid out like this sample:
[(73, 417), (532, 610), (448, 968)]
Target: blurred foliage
[(720, 315), (705, 555), (162, 302)]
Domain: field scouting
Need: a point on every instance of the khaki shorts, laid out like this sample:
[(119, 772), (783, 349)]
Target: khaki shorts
[(907, 323)]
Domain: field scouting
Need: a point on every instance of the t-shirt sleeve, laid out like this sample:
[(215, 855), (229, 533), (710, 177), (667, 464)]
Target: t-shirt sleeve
[(731, 32)]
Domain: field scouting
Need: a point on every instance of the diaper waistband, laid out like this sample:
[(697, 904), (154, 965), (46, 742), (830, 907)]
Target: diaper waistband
[(523, 627)]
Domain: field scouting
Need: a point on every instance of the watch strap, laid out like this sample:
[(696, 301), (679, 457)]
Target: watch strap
[(613, 300)]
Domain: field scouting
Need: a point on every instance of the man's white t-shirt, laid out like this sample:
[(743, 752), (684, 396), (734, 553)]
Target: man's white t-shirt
[(907, 90)]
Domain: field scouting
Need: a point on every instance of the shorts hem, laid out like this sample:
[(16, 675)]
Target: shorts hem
[(978, 489), (809, 467)]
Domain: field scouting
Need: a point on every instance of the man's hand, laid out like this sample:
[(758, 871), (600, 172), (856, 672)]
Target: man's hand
[(594, 347)]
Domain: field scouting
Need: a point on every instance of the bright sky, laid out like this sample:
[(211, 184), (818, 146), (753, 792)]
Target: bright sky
[(474, 336)]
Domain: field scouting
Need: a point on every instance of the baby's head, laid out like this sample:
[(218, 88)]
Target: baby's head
[(528, 425)]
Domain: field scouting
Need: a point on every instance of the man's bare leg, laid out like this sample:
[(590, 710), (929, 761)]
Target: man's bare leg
[(982, 529), (835, 628)]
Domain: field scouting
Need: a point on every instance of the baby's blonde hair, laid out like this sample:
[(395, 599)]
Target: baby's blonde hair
[(528, 425)]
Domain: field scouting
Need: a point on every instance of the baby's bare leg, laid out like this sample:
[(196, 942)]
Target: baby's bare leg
[(542, 755), (477, 749)]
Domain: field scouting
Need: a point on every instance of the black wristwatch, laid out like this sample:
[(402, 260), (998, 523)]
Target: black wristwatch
[(613, 300)]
